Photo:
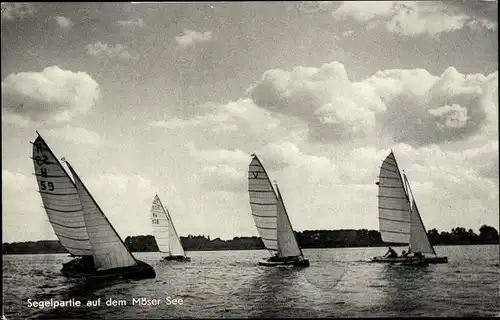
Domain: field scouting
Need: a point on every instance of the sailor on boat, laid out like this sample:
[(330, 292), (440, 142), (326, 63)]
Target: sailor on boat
[(391, 253)]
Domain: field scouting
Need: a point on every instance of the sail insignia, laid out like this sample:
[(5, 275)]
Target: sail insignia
[(60, 200), (269, 213), (164, 231)]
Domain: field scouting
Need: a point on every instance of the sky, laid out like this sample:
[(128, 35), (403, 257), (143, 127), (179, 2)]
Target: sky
[(173, 99)]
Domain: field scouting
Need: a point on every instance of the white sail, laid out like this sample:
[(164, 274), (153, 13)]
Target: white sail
[(108, 249), (419, 241), (159, 222), (393, 204), (287, 243), (263, 203), (164, 231), (60, 200)]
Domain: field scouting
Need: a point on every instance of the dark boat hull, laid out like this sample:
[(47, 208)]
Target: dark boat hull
[(177, 258), (291, 262), (410, 260), (142, 270)]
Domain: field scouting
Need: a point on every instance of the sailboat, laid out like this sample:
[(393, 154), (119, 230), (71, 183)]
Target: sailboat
[(165, 234), (271, 219), (80, 225), (399, 218)]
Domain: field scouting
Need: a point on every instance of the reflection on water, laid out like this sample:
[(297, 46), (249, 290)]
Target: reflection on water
[(405, 288), (339, 283)]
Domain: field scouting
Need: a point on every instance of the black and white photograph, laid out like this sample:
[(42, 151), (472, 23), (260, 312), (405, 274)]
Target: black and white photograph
[(209, 160)]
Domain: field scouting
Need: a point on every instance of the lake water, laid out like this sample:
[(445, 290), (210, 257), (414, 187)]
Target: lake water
[(229, 284)]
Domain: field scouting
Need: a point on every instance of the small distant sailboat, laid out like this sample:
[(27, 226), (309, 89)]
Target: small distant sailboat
[(165, 234), (399, 218), (80, 224), (271, 219)]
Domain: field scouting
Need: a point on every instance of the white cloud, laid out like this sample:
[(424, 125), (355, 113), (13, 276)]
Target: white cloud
[(13, 11), (53, 95), (454, 116), (190, 38), (410, 17), (63, 22), (119, 50), (136, 22), (443, 129), (75, 135), (347, 33), (391, 105)]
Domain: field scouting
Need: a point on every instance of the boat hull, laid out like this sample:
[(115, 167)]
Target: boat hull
[(293, 263), (177, 258), (410, 260), (142, 270)]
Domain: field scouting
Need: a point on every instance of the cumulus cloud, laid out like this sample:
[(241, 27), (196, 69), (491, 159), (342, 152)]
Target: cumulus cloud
[(136, 22), (53, 95), (226, 170), (118, 51), (411, 17), (243, 120), (13, 11), (63, 22), (424, 109), (311, 7), (221, 169), (321, 104), (399, 105), (324, 97), (75, 135), (190, 38)]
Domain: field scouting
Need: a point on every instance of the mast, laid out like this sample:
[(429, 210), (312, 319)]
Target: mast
[(418, 213), (167, 214), (100, 210), (288, 218)]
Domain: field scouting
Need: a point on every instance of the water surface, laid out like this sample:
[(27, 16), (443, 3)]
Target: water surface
[(229, 284)]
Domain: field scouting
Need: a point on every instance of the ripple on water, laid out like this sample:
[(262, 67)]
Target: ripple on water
[(339, 283)]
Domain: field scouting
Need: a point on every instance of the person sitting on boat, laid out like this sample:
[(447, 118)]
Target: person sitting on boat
[(274, 258), (391, 253), (404, 254)]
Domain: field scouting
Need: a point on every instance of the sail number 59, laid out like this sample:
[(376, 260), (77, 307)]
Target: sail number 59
[(44, 186)]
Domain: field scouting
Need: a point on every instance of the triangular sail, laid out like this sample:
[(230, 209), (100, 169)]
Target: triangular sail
[(164, 231), (287, 243), (109, 251), (60, 200), (159, 222), (419, 240), (263, 203), (393, 204), (176, 248)]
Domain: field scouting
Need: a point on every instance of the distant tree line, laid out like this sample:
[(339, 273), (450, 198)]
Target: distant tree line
[(306, 239)]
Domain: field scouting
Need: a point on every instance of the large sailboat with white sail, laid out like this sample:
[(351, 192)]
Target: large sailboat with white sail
[(80, 224), (271, 219), (399, 219), (165, 234)]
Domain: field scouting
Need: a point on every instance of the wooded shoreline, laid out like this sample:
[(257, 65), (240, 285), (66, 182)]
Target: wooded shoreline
[(307, 239)]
